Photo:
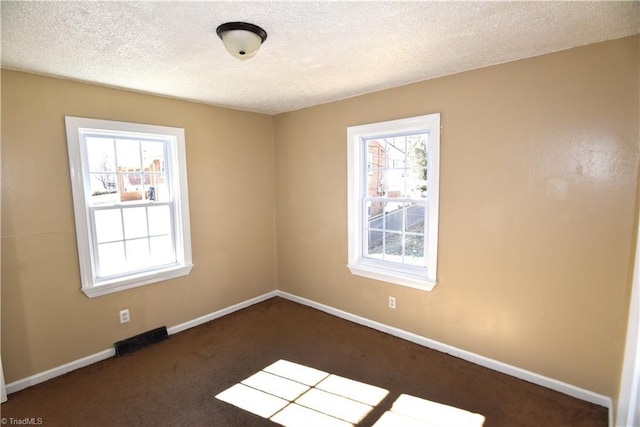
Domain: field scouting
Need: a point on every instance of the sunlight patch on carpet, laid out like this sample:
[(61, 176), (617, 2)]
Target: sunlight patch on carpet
[(295, 395), (411, 411)]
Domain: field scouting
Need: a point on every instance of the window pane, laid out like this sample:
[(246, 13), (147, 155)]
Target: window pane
[(376, 154), (414, 250), (394, 182), (112, 259), (376, 165), (102, 168), (415, 218), (130, 186), (156, 188), (417, 183), (393, 247), (153, 156), (375, 183), (159, 220), (104, 190), (138, 253), (162, 250), (396, 152), (374, 214), (394, 216), (128, 154), (108, 225), (153, 161), (375, 244), (417, 151), (130, 178), (135, 222), (101, 154)]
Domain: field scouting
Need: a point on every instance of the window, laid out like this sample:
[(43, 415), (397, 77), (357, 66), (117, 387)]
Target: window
[(131, 205), (393, 200)]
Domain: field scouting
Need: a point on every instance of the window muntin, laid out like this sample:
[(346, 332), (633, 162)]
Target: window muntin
[(393, 200), (130, 202)]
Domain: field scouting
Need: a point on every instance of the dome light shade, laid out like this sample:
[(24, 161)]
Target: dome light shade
[(241, 39)]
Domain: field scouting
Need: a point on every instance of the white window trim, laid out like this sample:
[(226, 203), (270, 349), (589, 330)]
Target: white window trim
[(75, 126), (357, 168)]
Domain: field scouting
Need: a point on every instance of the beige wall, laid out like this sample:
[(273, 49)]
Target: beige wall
[(46, 320), (529, 274)]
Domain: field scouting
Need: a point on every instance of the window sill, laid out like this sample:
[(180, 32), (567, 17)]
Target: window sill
[(134, 281), (397, 278)]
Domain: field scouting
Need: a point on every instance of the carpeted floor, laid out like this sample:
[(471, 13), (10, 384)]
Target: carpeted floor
[(174, 383)]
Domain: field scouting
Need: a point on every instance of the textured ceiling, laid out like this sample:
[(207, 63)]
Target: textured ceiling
[(316, 52)]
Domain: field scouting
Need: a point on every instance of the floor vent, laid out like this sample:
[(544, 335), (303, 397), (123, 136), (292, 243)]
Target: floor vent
[(144, 339)]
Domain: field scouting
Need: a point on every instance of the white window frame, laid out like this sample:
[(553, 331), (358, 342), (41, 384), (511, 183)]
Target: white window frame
[(400, 274), (91, 284)]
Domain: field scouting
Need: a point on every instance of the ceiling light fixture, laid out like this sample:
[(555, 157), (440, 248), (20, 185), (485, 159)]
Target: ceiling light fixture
[(241, 39)]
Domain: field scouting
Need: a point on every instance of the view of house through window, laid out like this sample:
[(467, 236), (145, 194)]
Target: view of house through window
[(130, 201), (395, 198)]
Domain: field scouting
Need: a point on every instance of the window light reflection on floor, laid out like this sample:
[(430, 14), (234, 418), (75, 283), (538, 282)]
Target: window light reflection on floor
[(295, 395), (411, 411)]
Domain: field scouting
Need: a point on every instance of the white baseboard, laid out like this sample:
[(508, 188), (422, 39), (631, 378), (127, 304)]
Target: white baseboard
[(495, 365), (211, 316), (59, 370), (516, 372), (105, 354)]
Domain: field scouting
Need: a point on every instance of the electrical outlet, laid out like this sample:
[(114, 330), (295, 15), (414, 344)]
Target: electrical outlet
[(124, 315), (392, 302)]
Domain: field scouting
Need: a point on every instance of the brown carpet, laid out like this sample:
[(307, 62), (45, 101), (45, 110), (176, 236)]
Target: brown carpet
[(174, 383)]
